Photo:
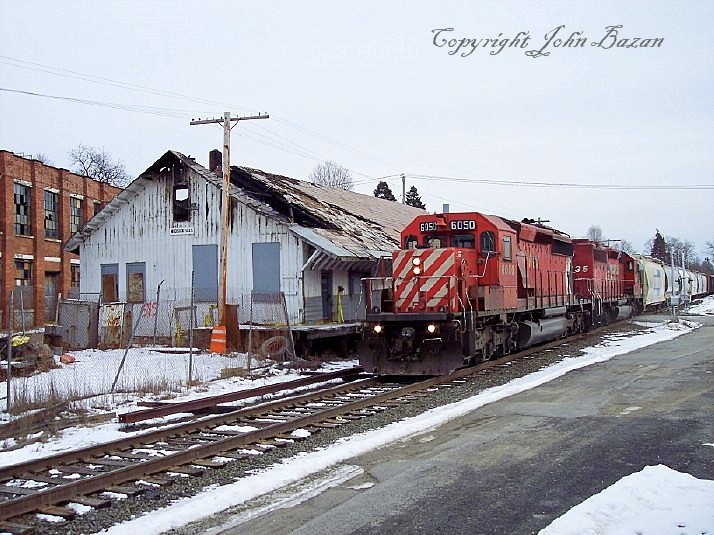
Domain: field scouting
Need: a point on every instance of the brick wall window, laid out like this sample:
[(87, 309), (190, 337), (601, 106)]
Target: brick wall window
[(22, 210), (97, 207), (51, 215), (75, 214), (23, 272)]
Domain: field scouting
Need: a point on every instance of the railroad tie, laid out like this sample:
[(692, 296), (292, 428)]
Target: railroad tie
[(124, 489), (19, 491), (92, 501), (188, 470), (16, 528), (208, 464), (161, 481), (55, 510)]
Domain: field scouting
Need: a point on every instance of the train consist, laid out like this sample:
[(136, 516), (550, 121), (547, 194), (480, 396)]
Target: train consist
[(468, 287)]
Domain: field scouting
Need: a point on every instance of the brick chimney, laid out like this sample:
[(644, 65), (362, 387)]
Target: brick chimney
[(215, 162)]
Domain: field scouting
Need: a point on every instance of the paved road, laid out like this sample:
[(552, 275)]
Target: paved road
[(514, 466)]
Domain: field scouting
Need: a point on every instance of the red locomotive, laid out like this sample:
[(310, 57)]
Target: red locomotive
[(468, 287)]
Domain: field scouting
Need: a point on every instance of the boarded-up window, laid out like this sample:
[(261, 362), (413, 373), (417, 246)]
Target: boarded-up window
[(135, 273), (110, 283), (266, 267), (205, 273)]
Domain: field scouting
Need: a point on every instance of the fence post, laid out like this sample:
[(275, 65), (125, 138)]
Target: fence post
[(22, 311), (156, 315), (9, 351), (190, 337), (128, 345)]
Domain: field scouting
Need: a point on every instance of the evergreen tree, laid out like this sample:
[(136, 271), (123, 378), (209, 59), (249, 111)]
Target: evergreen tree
[(659, 248), (383, 192), (413, 199)]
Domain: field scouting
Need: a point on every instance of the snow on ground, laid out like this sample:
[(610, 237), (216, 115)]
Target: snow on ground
[(214, 500), (93, 374), (635, 501), (655, 500), (706, 307)]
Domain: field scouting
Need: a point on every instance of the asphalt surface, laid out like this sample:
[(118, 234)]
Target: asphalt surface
[(516, 465)]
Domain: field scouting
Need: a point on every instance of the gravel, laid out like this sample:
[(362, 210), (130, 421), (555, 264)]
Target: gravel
[(132, 507)]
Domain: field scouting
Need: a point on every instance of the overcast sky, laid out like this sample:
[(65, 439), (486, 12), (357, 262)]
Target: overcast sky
[(364, 84)]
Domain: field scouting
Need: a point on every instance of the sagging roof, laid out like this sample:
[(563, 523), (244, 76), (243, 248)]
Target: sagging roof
[(343, 226)]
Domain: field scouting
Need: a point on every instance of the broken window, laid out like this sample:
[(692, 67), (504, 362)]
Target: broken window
[(22, 210), (23, 272), (51, 215), (182, 203)]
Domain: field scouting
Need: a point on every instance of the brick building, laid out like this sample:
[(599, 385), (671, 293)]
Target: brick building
[(42, 206)]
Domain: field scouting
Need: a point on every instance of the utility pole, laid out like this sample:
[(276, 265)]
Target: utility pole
[(226, 122), (404, 189)]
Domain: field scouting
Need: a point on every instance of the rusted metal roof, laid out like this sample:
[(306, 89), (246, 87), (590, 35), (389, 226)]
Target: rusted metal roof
[(343, 225)]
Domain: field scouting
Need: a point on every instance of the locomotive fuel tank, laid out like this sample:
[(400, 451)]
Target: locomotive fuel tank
[(532, 332)]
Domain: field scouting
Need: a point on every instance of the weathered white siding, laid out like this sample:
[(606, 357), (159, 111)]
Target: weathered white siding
[(140, 232)]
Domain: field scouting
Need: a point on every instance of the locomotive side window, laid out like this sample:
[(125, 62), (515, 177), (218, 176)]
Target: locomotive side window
[(464, 241), (507, 250), (488, 241)]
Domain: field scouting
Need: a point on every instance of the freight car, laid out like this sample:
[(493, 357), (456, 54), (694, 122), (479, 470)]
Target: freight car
[(468, 287)]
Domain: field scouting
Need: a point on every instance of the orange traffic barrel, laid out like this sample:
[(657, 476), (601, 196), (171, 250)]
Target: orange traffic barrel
[(218, 339)]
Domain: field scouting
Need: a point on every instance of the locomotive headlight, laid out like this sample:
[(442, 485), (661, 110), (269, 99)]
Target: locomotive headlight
[(416, 270), (416, 261), (431, 328), (377, 329)]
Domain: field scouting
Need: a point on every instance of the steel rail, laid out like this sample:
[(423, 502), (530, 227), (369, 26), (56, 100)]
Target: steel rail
[(136, 441), (62, 493), (26, 504), (211, 401)]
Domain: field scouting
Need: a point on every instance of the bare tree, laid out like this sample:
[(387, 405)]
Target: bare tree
[(331, 174), (678, 247), (97, 164), (623, 245), (594, 233), (709, 248), (42, 157)]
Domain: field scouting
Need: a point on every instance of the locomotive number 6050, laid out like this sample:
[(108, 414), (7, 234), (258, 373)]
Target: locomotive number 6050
[(468, 224)]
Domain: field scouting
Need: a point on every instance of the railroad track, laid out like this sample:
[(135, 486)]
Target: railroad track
[(136, 464), (130, 466)]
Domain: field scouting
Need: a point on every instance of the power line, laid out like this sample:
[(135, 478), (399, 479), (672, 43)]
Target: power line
[(539, 184), (141, 88), (152, 110)]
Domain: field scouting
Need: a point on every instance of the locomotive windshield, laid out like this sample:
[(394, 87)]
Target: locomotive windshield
[(464, 241)]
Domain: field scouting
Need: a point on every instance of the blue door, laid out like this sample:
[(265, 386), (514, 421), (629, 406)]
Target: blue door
[(266, 267), (205, 273)]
